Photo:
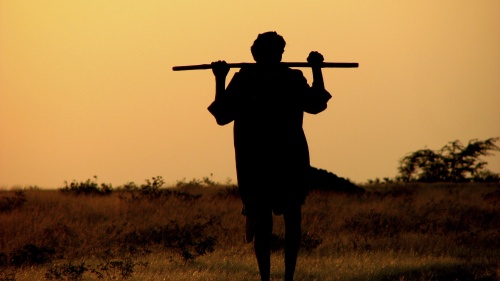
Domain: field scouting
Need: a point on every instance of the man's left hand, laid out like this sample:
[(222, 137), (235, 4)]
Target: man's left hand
[(315, 59)]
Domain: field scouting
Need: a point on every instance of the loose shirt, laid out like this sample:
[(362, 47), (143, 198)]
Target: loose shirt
[(272, 156)]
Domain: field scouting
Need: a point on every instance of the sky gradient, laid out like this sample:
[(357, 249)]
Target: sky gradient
[(86, 87)]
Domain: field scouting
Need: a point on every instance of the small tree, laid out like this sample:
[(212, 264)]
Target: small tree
[(452, 163)]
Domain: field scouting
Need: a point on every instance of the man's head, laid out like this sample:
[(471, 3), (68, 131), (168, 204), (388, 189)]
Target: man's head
[(268, 48)]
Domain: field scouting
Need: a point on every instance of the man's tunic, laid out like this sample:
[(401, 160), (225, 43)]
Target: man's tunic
[(272, 156)]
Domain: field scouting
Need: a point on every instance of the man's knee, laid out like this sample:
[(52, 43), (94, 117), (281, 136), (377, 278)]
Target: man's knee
[(293, 216), (263, 224)]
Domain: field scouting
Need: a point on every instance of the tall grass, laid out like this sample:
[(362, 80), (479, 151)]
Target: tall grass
[(195, 231)]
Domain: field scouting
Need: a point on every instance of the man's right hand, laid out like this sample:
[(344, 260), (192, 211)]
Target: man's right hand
[(220, 69)]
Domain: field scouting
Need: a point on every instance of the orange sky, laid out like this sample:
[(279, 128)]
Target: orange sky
[(86, 87)]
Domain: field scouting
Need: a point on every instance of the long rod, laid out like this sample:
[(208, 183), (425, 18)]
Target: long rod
[(289, 64)]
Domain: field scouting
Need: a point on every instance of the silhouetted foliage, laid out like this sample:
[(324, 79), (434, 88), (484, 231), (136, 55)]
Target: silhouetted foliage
[(130, 186), (231, 191), (89, 187), (204, 182), (189, 240), (326, 181), (110, 239), (153, 190), (454, 162), (152, 187), (29, 254), (4, 260), (10, 203)]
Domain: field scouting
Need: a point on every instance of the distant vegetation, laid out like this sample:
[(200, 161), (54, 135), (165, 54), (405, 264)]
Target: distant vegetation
[(327, 181), (88, 187), (194, 230), (438, 219), (454, 162)]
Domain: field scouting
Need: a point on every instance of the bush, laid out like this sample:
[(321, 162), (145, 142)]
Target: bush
[(89, 187), (454, 162), (320, 179), (29, 254), (152, 190), (190, 240), (8, 204)]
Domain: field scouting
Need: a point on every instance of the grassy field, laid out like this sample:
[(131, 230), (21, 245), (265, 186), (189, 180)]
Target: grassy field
[(195, 231)]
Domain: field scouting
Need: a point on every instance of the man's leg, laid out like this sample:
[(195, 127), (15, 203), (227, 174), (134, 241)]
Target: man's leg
[(293, 234), (262, 244)]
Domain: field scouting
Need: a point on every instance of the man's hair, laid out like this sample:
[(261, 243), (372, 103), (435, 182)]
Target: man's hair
[(267, 42)]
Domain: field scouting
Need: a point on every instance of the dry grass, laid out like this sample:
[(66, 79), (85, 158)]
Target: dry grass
[(391, 232)]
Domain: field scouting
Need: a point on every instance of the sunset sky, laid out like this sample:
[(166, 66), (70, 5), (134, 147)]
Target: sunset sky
[(86, 87)]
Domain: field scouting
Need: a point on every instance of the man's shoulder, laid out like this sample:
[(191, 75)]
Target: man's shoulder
[(295, 74), (247, 69), (250, 72)]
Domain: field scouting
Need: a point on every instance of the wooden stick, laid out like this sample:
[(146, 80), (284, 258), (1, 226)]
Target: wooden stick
[(289, 64)]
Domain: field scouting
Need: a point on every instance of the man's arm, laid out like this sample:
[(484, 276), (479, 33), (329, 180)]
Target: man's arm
[(221, 108), (318, 96), (220, 70), (315, 59)]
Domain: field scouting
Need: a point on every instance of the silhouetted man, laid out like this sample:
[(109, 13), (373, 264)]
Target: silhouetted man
[(267, 102)]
